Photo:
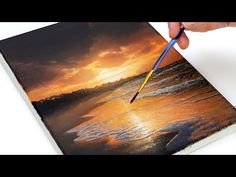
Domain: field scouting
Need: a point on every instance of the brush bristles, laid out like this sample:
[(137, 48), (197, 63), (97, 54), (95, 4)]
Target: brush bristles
[(132, 100)]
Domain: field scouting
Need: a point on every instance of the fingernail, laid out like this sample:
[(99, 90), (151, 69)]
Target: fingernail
[(184, 25)]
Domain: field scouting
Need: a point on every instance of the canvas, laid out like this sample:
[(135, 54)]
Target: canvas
[(80, 78)]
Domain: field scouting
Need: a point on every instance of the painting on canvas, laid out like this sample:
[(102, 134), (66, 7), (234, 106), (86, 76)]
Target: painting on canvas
[(81, 76)]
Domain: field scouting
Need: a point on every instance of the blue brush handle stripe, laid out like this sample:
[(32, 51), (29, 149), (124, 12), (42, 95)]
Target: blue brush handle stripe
[(167, 49)]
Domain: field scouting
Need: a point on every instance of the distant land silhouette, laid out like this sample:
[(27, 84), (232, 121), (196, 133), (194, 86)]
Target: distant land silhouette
[(48, 106)]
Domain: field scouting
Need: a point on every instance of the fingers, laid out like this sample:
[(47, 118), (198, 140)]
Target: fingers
[(183, 41), (231, 24), (203, 26), (174, 28)]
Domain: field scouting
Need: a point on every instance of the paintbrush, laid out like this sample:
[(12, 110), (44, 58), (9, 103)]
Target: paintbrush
[(158, 62)]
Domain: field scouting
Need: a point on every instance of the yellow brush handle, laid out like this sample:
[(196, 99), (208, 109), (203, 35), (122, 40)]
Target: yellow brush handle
[(145, 81)]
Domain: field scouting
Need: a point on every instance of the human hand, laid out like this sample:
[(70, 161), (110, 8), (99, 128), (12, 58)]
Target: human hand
[(183, 41)]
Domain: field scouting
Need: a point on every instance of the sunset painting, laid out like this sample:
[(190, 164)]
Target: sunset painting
[(81, 76)]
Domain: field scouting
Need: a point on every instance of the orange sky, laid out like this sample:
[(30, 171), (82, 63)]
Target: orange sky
[(107, 61)]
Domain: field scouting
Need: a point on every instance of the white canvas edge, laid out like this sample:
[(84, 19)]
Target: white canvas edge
[(29, 104)]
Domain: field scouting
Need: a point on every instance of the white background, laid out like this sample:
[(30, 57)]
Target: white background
[(212, 53)]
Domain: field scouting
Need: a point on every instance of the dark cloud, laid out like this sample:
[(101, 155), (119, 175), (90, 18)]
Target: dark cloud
[(118, 30), (38, 53), (34, 76), (63, 42), (58, 42)]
